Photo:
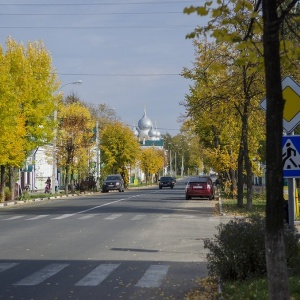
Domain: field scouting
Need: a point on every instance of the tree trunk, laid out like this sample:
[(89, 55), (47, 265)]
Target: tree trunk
[(2, 184), (12, 183), (67, 180), (240, 180), (275, 249), (233, 187)]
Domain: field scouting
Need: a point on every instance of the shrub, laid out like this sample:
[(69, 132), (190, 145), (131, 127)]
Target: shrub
[(7, 193), (238, 250)]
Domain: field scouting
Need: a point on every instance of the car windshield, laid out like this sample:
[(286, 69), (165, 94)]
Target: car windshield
[(112, 178), (198, 179), (165, 178)]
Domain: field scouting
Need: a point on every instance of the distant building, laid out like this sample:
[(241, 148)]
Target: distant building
[(147, 134)]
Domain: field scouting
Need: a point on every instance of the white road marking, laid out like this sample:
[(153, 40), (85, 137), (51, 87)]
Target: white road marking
[(42, 274), (37, 217), (96, 276), (153, 276), (87, 217), (109, 203), (13, 218), (63, 217), (113, 216), (137, 217), (6, 266)]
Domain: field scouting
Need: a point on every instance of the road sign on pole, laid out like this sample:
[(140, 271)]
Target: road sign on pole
[(291, 95), (291, 156)]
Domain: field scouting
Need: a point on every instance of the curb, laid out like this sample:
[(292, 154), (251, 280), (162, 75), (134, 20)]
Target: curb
[(11, 203)]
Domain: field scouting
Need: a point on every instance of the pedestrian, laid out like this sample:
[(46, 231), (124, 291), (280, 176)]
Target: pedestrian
[(48, 182), (56, 185)]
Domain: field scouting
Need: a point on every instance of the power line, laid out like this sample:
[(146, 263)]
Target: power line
[(117, 75), (98, 27), (91, 14), (94, 4)]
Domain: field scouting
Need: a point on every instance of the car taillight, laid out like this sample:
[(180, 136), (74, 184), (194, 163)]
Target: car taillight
[(188, 186), (208, 186)]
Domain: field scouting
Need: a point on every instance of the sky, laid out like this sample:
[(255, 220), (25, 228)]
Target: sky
[(129, 54)]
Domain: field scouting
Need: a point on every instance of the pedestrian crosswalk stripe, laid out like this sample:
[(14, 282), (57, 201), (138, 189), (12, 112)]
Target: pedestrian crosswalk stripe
[(113, 216), (153, 276), (137, 217), (63, 217), (13, 218), (96, 276), (87, 217), (37, 217), (42, 274), (6, 266)]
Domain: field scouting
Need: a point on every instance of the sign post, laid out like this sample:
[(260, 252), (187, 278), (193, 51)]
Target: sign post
[(291, 143)]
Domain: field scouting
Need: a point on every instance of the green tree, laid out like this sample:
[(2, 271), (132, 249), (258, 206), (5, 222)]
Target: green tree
[(119, 149), (275, 13), (278, 57)]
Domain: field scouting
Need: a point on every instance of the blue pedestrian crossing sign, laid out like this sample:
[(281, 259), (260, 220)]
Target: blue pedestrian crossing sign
[(291, 156)]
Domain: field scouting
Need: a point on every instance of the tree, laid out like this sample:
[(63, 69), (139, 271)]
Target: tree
[(276, 49), (119, 149), (151, 162), (274, 15), (27, 85), (74, 138), (230, 74)]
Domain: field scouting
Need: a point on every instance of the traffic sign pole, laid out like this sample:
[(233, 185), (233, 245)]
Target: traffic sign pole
[(291, 189)]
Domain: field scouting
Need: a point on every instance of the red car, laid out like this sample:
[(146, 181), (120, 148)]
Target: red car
[(201, 187)]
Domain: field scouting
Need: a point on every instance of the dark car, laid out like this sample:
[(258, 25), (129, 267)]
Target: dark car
[(113, 182), (201, 187), (166, 181)]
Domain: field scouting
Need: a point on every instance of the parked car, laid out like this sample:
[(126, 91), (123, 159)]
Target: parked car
[(201, 187), (166, 181), (112, 183)]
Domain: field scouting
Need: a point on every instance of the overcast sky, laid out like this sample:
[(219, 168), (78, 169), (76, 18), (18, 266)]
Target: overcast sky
[(128, 53)]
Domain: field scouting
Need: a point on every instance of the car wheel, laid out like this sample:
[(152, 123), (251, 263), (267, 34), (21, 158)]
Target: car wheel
[(160, 187), (211, 197), (187, 197), (172, 186)]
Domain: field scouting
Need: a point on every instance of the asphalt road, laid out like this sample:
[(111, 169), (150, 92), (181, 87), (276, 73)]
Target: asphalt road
[(140, 244)]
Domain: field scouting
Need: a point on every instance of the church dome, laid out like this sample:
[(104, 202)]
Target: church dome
[(135, 131), (145, 123), (152, 134)]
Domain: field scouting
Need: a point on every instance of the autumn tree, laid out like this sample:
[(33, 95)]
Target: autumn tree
[(74, 138), (151, 162), (277, 56), (27, 87), (275, 15), (119, 149)]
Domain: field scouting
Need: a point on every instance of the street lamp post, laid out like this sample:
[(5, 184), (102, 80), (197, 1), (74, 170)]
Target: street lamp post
[(54, 158), (97, 157)]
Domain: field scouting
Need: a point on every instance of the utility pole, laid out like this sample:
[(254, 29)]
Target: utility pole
[(97, 157)]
